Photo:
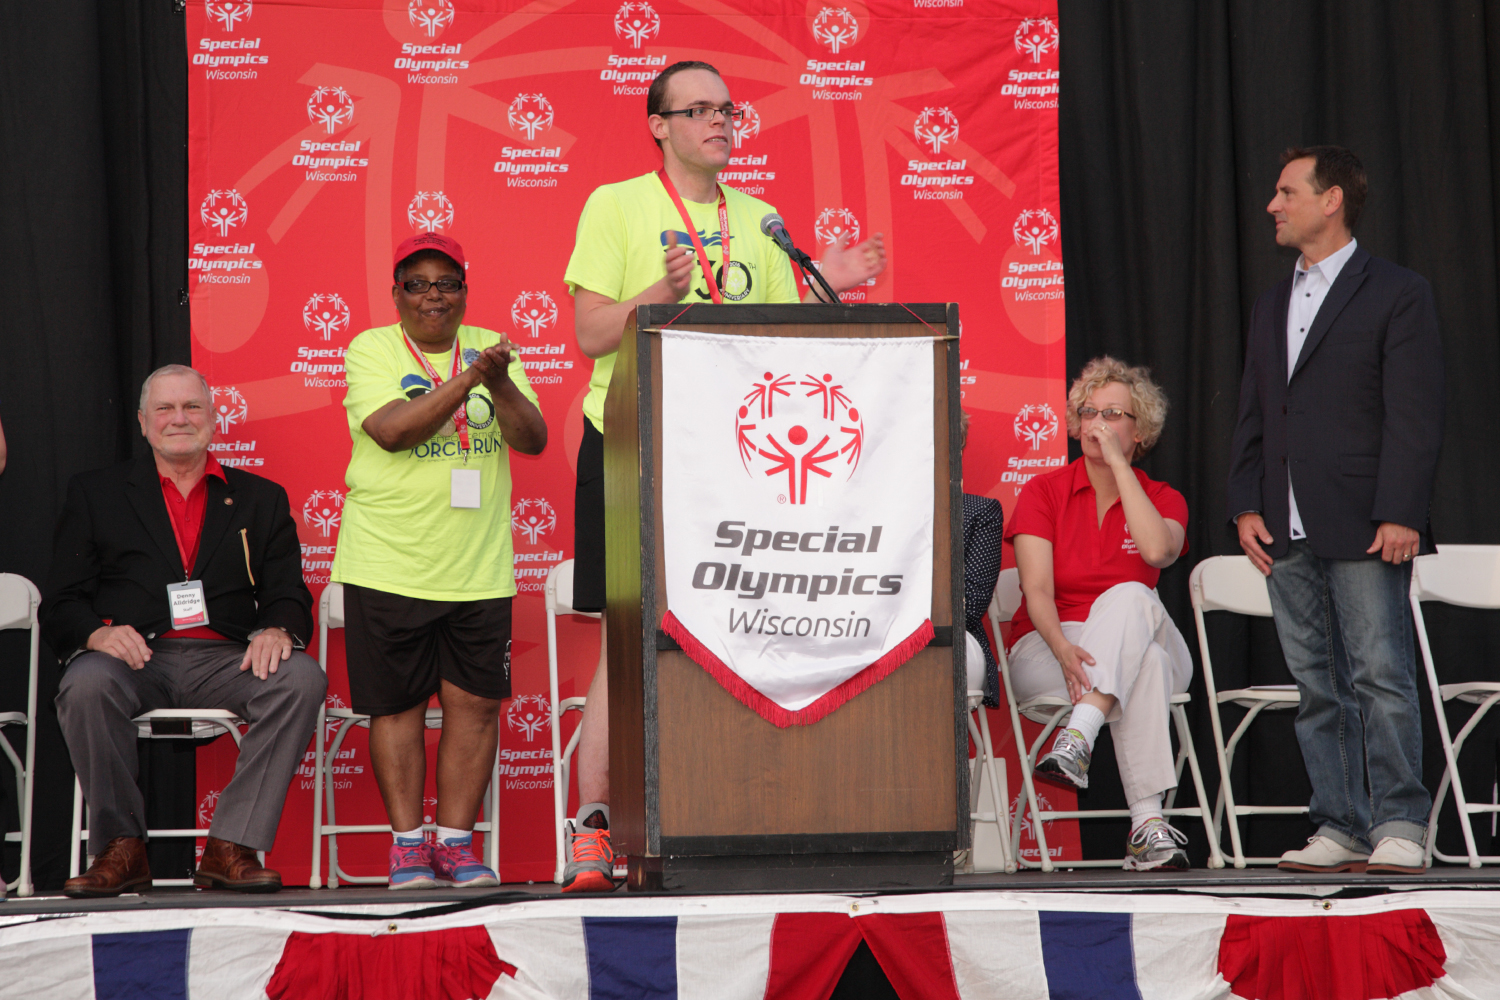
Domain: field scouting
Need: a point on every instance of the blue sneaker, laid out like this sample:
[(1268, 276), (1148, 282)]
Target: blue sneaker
[(411, 865), (454, 862)]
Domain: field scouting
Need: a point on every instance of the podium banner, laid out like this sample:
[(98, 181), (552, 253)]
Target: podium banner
[(797, 486)]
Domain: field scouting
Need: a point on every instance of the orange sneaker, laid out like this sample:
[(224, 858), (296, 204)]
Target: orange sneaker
[(592, 865)]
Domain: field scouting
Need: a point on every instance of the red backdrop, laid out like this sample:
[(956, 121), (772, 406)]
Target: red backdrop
[(322, 133)]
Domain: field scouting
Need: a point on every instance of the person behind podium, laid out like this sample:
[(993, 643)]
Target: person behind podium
[(177, 583), (425, 553), (673, 235), (1091, 539)]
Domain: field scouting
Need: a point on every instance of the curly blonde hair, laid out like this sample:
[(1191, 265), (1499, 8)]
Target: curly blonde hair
[(1147, 400)]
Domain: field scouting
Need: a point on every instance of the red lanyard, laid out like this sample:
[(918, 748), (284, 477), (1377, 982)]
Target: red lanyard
[(460, 415), (692, 231)]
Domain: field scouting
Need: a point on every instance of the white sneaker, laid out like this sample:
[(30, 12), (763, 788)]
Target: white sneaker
[(1397, 856), (1323, 854)]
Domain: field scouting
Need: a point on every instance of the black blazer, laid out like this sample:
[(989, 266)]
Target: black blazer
[(1361, 421), (114, 554)]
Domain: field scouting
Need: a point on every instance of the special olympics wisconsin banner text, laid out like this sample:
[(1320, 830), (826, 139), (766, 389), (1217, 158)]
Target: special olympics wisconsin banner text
[(797, 485), (323, 132)]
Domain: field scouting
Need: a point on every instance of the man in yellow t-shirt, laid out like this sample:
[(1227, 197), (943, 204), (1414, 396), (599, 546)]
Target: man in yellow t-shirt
[(425, 555), (634, 247)]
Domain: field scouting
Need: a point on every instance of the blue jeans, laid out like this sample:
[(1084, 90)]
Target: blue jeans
[(1346, 630)]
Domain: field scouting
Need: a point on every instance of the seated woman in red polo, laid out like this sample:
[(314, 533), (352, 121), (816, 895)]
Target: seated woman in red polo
[(1091, 539)]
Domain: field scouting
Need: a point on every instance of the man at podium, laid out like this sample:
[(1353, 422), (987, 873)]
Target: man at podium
[(674, 235)]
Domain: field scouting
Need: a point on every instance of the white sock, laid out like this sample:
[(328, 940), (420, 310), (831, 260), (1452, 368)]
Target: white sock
[(1087, 719), (407, 834), (447, 833), (1143, 809)]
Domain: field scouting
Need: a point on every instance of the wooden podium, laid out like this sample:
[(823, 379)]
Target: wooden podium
[(707, 795)]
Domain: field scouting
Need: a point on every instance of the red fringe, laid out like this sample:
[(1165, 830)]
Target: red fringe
[(774, 713)]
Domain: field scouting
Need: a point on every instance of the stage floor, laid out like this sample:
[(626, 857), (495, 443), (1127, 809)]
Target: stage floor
[(1266, 882)]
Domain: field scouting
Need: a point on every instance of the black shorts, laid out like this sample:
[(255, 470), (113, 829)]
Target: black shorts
[(399, 648), (588, 523)]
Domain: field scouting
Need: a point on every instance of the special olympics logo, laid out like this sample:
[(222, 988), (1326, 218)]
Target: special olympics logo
[(230, 407), (1035, 37), (835, 222), (330, 107), (323, 510), (530, 113), (331, 725), (430, 212), (528, 714), (224, 210), (207, 806), (1034, 424), (836, 28), (533, 518), (536, 311), (430, 16), (1035, 228), (937, 127), (228, 12), (636, 22), (798, 428), (326, 313), (747, 127), (1028, 825)]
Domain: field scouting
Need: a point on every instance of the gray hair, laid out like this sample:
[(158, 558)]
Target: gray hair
[(208, 393)]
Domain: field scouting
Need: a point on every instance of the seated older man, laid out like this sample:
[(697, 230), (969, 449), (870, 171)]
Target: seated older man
[(177, 583)]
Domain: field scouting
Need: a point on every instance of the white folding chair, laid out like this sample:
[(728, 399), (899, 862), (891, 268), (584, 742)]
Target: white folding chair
[(985, 772), (1051, 712), (18, 603), (1467, 576), (558, 593), (201, 723), (1232, 583), (331, 615)]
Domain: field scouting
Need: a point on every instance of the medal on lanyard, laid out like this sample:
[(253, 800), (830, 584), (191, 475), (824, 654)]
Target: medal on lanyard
[(460, 415), (692, 231)]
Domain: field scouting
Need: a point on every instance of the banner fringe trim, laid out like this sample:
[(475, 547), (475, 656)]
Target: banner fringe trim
[(774, 713)]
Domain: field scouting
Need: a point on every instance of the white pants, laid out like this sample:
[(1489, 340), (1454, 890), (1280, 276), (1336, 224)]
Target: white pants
[(1140, 658)]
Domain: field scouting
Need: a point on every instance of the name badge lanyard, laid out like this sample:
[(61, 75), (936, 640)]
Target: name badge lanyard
[(460, 415), (692, 231)]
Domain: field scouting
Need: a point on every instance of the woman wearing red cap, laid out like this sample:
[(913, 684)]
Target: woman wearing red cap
[(425, 552)]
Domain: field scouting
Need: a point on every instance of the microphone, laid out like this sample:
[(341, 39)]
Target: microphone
[(774, 226)]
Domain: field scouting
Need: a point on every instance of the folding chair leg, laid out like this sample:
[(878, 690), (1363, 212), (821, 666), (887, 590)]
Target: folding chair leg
[(999, 791), (1185, 737), (492, 842), (75, 831), (315, 881)]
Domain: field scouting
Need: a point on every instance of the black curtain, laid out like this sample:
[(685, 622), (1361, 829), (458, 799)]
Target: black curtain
[(1173, 117), (93, 226)]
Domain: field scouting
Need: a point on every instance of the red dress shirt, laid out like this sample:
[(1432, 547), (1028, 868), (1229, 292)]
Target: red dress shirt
[(186, 515), (1087, 558)]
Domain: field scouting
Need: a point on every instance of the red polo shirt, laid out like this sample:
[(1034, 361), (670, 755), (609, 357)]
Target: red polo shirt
[(186, 515), (1087, 558)]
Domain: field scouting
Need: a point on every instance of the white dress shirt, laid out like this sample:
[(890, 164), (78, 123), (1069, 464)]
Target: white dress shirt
[(1309, 288)]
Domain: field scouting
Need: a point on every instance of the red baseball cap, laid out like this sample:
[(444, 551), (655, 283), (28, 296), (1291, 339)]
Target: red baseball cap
[(430, 241)]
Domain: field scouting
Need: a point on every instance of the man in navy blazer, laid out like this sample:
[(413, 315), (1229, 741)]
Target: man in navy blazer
[(1330, 479), (177, 583)]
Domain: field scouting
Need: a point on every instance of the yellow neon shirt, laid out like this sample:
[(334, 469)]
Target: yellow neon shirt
[(399, 533), (622, 234)]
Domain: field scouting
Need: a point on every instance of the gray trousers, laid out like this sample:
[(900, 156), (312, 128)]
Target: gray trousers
[(100, 694)]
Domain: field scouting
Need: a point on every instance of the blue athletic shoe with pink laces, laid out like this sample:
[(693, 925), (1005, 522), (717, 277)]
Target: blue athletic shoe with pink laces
[(411, 865), (454, 862)]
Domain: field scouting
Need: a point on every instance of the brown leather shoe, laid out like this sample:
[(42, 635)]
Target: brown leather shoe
[(120, 867), (226, 865)]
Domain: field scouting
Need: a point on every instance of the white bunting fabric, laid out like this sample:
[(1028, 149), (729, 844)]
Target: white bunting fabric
[(797, 489)]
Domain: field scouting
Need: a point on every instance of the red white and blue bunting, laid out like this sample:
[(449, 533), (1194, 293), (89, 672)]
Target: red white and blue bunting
[(943, 946)]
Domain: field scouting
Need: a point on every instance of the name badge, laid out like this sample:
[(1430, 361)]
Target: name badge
[(188, 606), (465, 491)]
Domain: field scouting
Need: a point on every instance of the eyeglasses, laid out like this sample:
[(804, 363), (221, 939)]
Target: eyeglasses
[(418, 286), (703, 113), (1111, 414)]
